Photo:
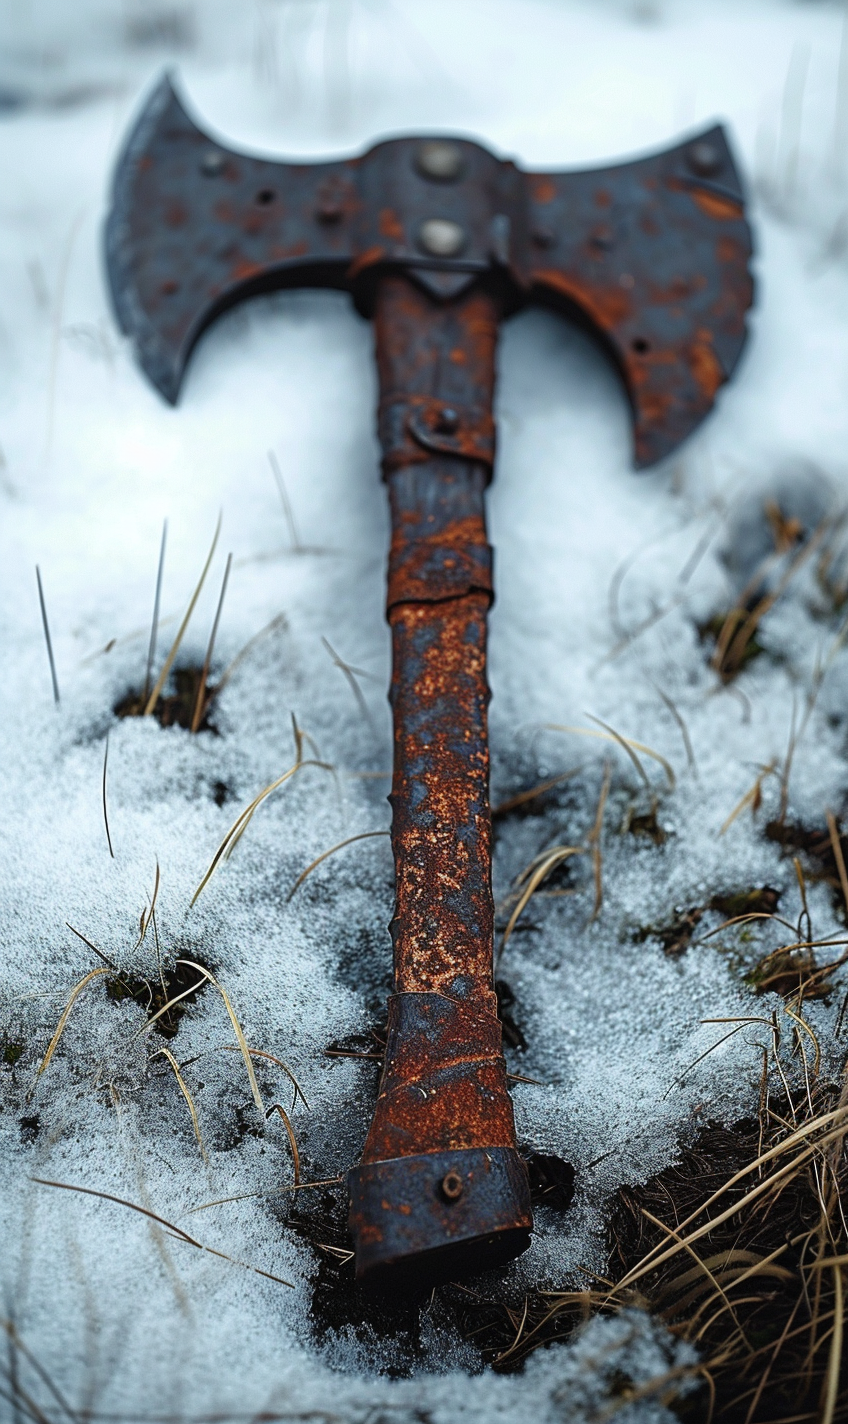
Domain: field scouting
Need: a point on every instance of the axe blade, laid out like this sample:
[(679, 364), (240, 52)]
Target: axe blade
[(653, 254), (195, 227)]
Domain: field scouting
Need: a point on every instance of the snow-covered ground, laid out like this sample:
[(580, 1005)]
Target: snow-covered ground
[(128, 1320)]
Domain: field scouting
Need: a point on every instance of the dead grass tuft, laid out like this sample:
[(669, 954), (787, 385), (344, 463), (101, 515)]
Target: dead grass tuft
[(735, 633), (740, 1248)]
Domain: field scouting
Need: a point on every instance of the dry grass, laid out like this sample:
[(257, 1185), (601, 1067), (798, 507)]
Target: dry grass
[(174, 1231), (325, 854), (740, 1249), (736, 635), (66, 1014), (175, 646), (628, 745), (528, 883), (190, 700), (242, 821), (183, 1087)]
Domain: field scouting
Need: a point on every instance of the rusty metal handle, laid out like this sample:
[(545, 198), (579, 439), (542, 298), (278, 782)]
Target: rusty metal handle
[(441, 1187)]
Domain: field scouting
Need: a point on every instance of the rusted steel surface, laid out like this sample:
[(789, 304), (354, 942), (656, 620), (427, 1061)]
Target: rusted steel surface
[(443, 1089), (652, 254), (655, 255), (445, 1213), (439, 240)]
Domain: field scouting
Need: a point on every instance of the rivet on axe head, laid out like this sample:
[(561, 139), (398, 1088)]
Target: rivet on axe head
[(451, 1186), (437, 240), (447, 420), (441, 237), (439, 159)]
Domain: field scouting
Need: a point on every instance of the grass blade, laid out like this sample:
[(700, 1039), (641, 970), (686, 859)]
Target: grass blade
[(47, 636), (154, 627), (200, 701), (277, 1107), (242, 1042), (363, 836), (183, 1087), (170, 1226), (175, 646), (66, 1014), (105, 812), (628, 744)]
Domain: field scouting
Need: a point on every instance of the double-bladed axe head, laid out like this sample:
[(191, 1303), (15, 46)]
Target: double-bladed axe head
[(652, 254)]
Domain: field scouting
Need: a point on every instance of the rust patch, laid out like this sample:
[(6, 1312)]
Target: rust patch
[(723, 209), (705, 365), (390, 225), (730, 251), (295, 249), (608, 306), (369, 258), (244, 269), (544, 191), (677, 290)]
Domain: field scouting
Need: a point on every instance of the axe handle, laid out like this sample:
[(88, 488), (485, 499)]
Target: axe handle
[(441, 1186)]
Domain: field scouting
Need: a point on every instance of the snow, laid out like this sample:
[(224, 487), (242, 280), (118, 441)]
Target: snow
[(128, 1320)]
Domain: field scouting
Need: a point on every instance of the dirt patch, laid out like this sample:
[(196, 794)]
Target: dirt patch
[(676, 935), (187, 704), (172, 991)]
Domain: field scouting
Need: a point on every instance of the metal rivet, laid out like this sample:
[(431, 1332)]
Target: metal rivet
[(441, 237), (439, 159), (447, 420), (452, 1186), (212, 163), (329, 212), (703, 158)]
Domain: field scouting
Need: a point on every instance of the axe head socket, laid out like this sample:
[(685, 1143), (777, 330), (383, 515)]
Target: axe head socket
[(652, 254)]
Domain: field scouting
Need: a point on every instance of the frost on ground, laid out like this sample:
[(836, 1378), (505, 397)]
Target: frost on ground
[(607, 585)]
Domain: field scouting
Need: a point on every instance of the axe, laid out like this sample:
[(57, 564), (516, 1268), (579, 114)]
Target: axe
[(437, 241)]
